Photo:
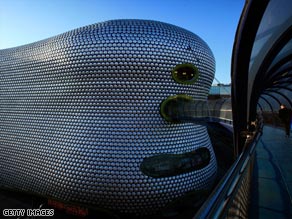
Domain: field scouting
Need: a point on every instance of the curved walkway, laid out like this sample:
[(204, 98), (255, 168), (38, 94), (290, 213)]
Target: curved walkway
[(271, 189)]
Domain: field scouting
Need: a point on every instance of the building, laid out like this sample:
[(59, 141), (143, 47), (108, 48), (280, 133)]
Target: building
[(80, 118)]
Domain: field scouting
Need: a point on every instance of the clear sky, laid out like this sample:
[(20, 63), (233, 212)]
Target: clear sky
[(215, 21)]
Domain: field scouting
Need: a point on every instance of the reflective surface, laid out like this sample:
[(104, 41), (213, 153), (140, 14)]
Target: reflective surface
[(270, 63), (174, 164), (80, 111), (261, 67)]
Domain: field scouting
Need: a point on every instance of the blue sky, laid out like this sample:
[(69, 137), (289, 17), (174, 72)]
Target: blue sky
[(215, 21)]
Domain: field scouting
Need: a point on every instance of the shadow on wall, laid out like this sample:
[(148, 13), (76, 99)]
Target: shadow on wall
[(222, 141)]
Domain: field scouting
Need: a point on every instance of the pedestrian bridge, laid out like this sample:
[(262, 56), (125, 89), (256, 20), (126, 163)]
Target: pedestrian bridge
[(271, 184), (258, 185)]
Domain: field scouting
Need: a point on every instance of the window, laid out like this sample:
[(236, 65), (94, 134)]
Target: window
[(173, 108), (185, 73), (165, 165)]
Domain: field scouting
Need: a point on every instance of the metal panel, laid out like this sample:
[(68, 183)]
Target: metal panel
[(80, 111)]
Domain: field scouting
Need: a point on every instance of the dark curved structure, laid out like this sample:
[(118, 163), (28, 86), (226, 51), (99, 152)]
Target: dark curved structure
[(80, 116), (261, 65), (261, 80)]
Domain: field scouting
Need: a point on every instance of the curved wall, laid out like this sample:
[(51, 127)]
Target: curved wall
[(80, 112)]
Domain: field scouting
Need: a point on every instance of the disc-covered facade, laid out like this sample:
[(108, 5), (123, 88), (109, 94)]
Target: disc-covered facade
[(80, 116)]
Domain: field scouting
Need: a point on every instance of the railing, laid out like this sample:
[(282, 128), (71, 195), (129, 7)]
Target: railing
[(231, 196)]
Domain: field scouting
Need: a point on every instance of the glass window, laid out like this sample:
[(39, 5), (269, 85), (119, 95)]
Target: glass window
[(185, 73), (165, 165)]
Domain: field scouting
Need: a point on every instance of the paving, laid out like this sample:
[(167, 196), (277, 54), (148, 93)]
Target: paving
[(271, 190)]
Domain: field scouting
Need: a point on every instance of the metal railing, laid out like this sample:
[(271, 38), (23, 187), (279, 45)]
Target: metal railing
[(230, 198)]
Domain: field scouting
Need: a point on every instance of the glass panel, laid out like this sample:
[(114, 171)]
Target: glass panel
[(287, 50), (165, 165), (185, 73), (276, 20)]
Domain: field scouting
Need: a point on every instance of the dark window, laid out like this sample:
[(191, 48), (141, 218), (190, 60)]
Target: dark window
[(185, 73), (165, 165), (173, 108)]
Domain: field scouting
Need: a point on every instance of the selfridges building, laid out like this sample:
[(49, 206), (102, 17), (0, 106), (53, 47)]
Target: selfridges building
[(81, 117)]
